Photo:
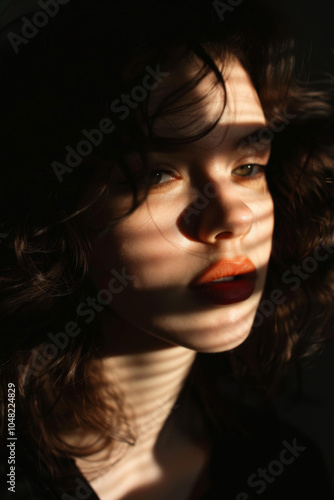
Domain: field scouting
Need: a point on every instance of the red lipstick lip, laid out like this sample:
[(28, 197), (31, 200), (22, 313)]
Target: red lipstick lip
[(224, 268), (227, 292)]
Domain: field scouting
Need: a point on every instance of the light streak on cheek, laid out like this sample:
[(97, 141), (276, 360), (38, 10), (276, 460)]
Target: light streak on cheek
[(262, 232), (162, 216), (136, 224), (263, 210)]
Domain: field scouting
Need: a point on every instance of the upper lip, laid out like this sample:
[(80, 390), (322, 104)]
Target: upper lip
[(224, 268)]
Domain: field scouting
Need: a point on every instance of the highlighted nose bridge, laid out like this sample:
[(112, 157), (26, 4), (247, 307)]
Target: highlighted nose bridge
[(220, 211)]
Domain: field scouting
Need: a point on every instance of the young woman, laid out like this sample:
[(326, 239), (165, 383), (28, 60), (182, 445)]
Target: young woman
[(149, 150)]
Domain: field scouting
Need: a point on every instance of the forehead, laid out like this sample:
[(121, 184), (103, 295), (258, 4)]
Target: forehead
[(200, 107)]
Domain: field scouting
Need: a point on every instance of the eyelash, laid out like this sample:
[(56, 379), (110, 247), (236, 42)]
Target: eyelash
[(172, 172), (169, 171), (261, 169)]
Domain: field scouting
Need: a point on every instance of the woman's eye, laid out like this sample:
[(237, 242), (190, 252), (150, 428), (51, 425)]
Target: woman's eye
[(250, 170), (158, 177)]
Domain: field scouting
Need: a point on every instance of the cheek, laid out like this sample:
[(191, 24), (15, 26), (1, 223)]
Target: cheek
[(136, 243), (269, 219), (264, 229), (263, 222)]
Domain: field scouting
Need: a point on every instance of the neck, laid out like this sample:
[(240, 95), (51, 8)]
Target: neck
[(150, 383), (149, 373)]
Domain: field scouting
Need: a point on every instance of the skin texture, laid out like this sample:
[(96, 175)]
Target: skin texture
[(150, 344), (164, 246)]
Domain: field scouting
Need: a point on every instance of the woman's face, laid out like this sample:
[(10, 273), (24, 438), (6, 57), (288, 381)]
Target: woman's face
[(208, 209)]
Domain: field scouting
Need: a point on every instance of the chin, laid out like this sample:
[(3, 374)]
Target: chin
[(214, 340), (227, 343), (223, 346)]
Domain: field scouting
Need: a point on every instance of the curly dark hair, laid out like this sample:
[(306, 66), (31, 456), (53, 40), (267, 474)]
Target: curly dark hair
[(63, 80)]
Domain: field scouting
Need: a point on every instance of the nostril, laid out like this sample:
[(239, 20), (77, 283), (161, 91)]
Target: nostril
[(224, 235)]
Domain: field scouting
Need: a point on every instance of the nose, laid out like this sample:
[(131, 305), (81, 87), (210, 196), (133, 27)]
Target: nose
[(226, 216)]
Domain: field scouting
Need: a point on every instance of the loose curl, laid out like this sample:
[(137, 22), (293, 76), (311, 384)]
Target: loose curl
[(66, 78)]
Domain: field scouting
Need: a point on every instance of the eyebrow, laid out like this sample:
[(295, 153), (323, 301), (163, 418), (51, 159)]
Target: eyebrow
[(255, 136)]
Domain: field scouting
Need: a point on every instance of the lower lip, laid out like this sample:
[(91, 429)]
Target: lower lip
[(228, 292)]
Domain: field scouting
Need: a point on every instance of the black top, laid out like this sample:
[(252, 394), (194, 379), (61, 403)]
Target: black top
[(283, 453)]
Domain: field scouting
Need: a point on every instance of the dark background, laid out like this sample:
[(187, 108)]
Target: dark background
[(305, 401), (313, 24)]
